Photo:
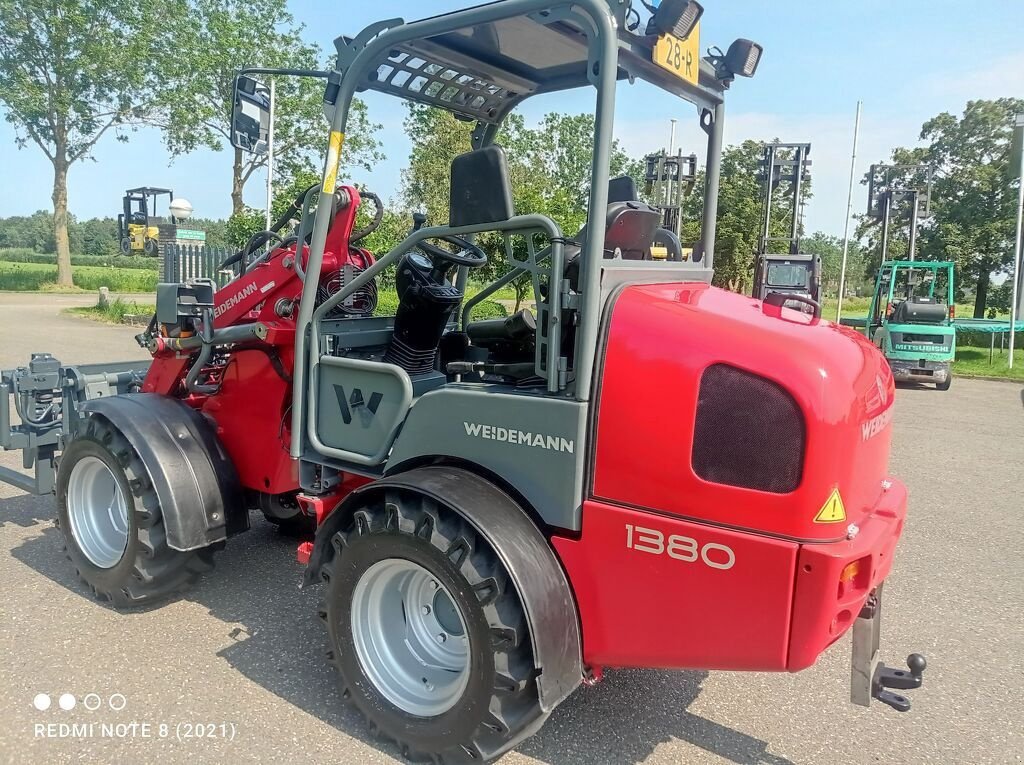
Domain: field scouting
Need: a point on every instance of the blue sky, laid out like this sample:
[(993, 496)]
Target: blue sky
[(907, 61)]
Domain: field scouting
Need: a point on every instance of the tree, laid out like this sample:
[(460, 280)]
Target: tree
[(225, 36), (71, 71), (973, 197), (34, 232), (96, 236), (830, 249), (248, 221)]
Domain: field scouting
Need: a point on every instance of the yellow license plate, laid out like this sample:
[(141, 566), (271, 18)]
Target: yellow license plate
[(681, 57)]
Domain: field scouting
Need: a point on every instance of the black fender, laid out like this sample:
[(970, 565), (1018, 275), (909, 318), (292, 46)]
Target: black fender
[(526, 554), (200, 495)]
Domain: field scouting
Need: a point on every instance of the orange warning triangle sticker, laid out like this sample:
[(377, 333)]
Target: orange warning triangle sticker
[(832, 511)]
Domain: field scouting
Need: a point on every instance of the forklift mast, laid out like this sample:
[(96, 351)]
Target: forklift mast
[(668, 180), (783, 163), (784, 270), (889, 183)]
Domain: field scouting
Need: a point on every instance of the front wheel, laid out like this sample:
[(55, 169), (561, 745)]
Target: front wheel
[(944, 385), (428, 634), (112, 522)]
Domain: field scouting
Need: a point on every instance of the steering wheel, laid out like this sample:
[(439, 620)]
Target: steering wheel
[(470, 255)]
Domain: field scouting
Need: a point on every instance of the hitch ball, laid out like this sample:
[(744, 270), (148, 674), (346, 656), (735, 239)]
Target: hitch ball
[(916, 663)]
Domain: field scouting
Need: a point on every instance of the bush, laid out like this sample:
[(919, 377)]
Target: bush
[(23, 255), (37, 276), (488, 309)]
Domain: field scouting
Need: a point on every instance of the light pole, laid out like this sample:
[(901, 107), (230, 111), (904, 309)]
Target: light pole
[(849, 209), (1018, 130), (270, 156)]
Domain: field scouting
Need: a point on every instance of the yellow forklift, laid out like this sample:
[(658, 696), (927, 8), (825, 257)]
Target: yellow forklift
[(138, 228)]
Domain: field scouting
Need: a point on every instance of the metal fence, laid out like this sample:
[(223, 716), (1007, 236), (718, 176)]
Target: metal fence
[(185, 261)]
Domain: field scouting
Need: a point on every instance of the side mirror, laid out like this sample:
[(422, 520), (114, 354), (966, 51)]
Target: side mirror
[(250, 115)]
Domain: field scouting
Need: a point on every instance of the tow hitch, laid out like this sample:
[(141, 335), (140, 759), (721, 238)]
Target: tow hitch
[(869, 678)]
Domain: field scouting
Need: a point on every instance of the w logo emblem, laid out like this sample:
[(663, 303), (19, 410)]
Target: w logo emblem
[(356, 403)]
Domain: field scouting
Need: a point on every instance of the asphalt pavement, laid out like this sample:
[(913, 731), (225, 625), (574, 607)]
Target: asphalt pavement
[(235, 672)]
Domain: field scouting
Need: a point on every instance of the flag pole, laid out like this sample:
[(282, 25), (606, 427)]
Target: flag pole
[(849, 209)]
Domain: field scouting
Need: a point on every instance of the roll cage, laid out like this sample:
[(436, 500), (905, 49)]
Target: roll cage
[(479, 64)]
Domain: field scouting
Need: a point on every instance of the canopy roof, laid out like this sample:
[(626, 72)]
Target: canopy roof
[(482, 70)]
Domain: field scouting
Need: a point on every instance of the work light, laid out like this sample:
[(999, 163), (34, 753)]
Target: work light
[(741, 59), (676, 17)]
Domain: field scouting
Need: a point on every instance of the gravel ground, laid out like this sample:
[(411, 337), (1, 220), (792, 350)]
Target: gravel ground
[(243, 649)]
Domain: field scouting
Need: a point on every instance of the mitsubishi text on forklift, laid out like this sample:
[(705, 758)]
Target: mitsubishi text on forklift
[(498, 513)]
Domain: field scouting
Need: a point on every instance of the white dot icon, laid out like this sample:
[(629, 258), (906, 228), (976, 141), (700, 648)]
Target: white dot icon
[(67, 702), (41, 702)]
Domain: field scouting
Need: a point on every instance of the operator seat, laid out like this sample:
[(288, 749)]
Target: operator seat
[(631, 228)]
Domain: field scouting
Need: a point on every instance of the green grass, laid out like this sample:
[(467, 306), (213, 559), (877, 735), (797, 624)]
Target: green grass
[(41, 276), (115, 311), (387, 304), (852, 307), (22, 255), (972, 361)]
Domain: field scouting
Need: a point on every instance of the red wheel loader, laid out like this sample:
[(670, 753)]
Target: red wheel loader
[(646, 471)]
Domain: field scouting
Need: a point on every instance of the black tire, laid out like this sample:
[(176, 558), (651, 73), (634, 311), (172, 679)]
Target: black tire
[(299, 526), (148, 571), (945, 384), (500, 705), (283, 511), (126, 246), (151, 248)]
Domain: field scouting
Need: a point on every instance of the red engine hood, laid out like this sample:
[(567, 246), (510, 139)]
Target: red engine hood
[(660, 340)]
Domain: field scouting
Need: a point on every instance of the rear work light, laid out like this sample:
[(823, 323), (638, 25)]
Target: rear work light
[(676, 17), (743, 57)]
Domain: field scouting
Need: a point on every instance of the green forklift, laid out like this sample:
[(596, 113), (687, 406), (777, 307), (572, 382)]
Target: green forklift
[(911, 320)]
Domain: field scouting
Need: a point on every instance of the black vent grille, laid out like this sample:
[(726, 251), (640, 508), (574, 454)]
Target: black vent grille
[(749, 432)]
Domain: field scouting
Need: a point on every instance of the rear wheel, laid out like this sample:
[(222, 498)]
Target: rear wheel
[(284, 511), (150, 247), (113, 527), (428, 634)]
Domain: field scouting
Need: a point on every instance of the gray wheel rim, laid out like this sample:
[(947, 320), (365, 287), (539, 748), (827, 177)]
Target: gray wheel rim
[(98, 512), (410, 637)]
